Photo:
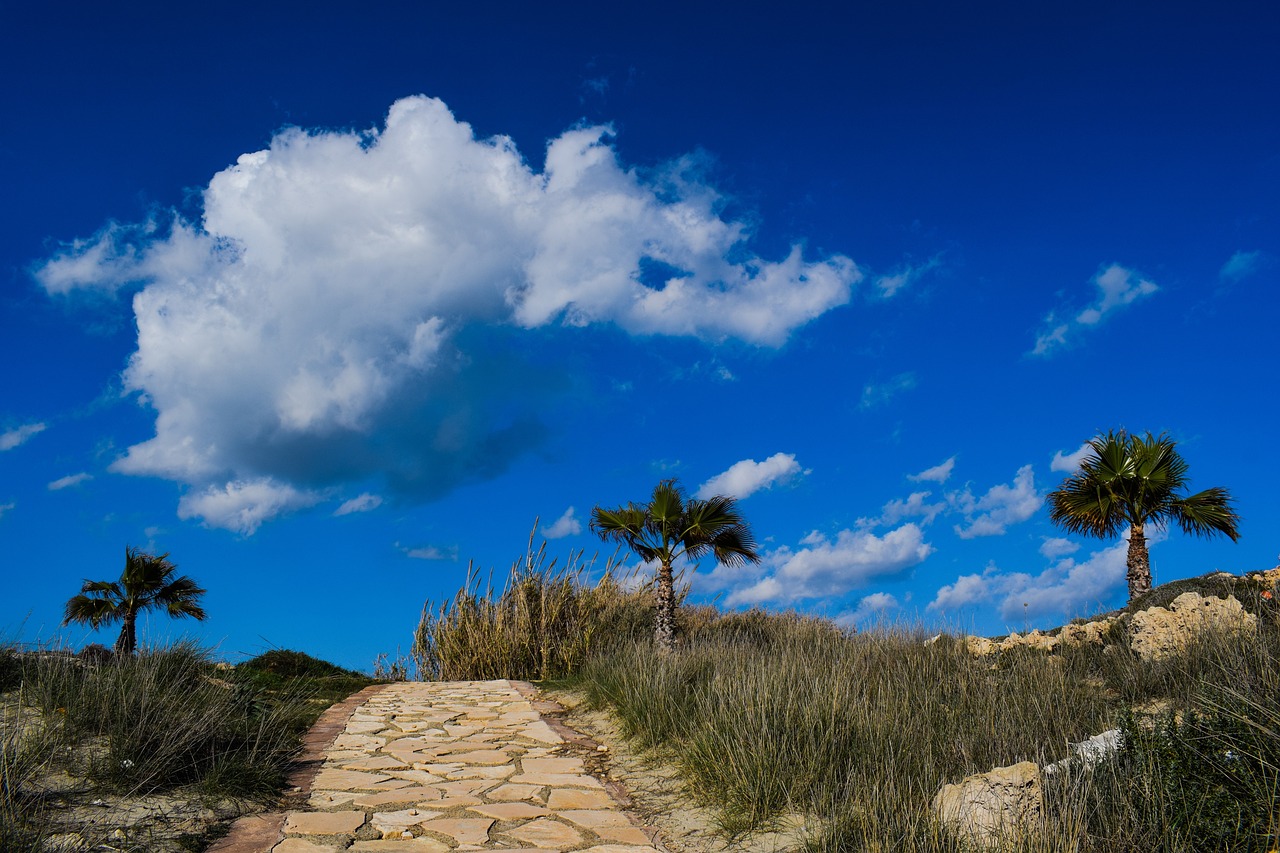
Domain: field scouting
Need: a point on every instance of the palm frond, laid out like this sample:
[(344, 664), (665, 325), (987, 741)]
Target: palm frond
[(1206, 513)]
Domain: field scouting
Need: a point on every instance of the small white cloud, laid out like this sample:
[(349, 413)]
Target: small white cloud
[(967, 589), (1242, 265), (1069, 463), (826, 568), (937, 474), (869, 607), (915, 505), (1117, 287), (877, 395), (361, 503), (243, 505), (1000, 507), (747, 477), (1054, 547), (69, 481), (906, 275), (433, 552), (4, 508), (14, 437), (565, 525)]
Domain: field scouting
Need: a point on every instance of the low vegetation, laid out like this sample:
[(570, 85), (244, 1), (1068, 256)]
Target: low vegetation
[(166, 722), (770, 716)]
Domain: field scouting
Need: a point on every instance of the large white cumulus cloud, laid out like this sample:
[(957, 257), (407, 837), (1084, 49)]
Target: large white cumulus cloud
[(333, 317)]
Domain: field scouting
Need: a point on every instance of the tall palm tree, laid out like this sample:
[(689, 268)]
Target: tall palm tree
[(1138, 480), (671, 526), (147, 583)]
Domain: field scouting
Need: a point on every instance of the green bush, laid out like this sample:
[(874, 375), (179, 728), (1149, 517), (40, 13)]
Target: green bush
[(290, 664)]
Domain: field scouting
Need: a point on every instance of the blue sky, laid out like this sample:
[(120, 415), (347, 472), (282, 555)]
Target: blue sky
[(327, 301)]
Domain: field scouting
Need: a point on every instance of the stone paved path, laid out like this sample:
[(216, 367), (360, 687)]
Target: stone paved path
[(433, 767)]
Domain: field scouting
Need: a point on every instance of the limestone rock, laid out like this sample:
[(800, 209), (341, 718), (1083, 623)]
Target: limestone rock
[(1158, 632), (986, 807)]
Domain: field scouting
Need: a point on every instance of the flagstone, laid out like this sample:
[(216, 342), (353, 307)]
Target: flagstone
[(377, 762), (621, 848), (454, 802), (347, 779), (400, 795), (540, 731), (545, 832), (462, 830), (519, 792), (419, 777), (510, 811), (391, 824), (592, 818), (552, 765), (400, 845), (570, 798), (623, 834), (365, 727), (329, 799), (558, 780), (323, 823), (464, 786), (302, 845), (391, 784)]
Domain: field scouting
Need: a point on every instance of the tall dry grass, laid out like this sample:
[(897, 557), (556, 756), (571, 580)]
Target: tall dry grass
[(542, 622)]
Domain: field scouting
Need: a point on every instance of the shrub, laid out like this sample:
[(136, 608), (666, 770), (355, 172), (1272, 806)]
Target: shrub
[(544, 622), (290, 664)]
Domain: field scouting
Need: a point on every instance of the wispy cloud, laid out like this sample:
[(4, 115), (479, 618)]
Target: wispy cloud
[(433, 552), (874, 395), (1001, 506), (915, 505), (4, 508), (1069, 463), (69, 481), (14, 437), (937, 474), (905, 276), (869, 608), (361, 503), (1117, 287), (1067, 588), (368, 292), (565, 525), (1055, 547), (243, 505), (822, 567), (1242, 265), (747, 477)]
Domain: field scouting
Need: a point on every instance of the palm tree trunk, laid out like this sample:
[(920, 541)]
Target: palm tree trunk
[(128, 639), (664, 626), (1138, 563)]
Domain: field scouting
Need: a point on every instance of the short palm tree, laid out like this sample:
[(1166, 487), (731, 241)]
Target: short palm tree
[(1137, 480), (147, 583), (671, 526)]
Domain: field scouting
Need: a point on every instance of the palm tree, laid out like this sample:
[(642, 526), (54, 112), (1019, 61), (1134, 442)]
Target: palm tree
[(1137, 480), (147, 583), (671, 526)]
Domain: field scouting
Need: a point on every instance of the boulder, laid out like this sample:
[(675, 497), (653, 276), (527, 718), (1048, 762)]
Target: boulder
[(986, 808), (1158, 631)]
